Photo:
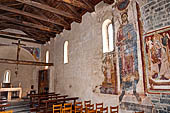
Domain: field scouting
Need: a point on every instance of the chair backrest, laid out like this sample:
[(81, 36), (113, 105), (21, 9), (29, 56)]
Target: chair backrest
[(7, 111), (78, 107), (87, 102), (92, 111), (104, 110), (90, 106), (67, 107), (114, 109), (139, 112), (99, 106), (78, 103), (57, 108)]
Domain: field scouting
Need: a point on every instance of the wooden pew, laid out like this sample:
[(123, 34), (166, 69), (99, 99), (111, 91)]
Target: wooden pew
[(49, 103), (34, 97), (34, 100), (3, 104), (49, 98)]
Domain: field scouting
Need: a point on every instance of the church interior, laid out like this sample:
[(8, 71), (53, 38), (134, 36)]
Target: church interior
[(85, 56)]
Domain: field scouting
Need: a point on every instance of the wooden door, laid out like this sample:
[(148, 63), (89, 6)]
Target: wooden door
[(43, 81)]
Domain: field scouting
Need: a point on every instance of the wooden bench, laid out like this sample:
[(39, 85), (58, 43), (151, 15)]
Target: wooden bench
[(3, 106), (34, 98), (50, 98), (50, 103)]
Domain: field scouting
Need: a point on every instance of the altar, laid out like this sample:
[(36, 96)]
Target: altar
[(10, 90)]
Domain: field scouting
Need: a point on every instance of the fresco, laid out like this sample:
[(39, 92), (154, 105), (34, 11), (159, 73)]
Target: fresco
[(109, 85), (34, 51), (122, 4), (121, 65), (157, 59), (127, 56)]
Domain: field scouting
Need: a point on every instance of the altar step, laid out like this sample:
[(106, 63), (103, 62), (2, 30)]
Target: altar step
[(19, 107)]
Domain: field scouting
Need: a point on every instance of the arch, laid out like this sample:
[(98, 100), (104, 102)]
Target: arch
[(47, 58), (10, 52), (107, 34), (65, 52), (7, 76)]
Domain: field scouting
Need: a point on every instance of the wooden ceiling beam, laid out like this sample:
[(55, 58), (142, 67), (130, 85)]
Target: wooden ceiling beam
[(28, 24), (34, 36), (14, 34), (61, 21), (79, 4), (73, 10), (25, 40), (32, 20), (50, 9), (16, 4), (22, 62), (31, 15), (13, 26), (109, 1), (89, 5)]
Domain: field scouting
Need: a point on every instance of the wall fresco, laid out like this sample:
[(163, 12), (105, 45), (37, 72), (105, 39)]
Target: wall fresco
[(127, 56), (157, 59), (120, 67), (109, 85), (34, 51)]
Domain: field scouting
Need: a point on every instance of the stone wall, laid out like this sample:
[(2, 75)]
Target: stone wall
[(82, 76), (27, 75)]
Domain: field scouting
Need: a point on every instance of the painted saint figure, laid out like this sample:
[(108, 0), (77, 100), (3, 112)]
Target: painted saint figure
[(166, 44), (127, 53), (159, 54)]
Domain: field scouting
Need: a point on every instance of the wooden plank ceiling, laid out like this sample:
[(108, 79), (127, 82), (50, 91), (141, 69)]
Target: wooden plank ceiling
[(41, 20)]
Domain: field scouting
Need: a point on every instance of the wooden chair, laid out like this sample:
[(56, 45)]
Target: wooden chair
[(114, 109), (104, 110), (139, 112), (57, 108), (87, 102), (90, 108), (7, 111), (78, 108), (92, 111), (85, 105), (99, 106), (67, 108)]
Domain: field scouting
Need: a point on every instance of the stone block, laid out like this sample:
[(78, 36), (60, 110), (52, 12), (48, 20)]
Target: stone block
[(165, 101)]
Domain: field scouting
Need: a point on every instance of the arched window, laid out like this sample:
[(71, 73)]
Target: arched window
[(65, 52), (7, 76), (107, 33), (47, 58)]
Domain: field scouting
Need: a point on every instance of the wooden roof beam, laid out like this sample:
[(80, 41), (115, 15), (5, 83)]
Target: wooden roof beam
[(22, 62), (28, 24), (79, 4), (109, 1), (89, 5), (14, 34), (50, 9), (13, 26), (73, 10), (25, 40), (32, 15)]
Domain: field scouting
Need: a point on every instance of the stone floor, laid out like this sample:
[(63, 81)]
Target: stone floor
[(19, 106)]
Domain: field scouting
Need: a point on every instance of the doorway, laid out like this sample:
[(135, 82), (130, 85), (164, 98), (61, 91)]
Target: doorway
[(43, 81)]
